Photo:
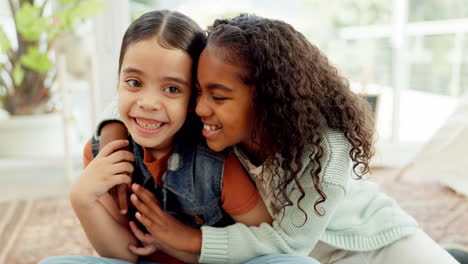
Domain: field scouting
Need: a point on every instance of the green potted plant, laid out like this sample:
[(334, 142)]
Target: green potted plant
[(27, 72)]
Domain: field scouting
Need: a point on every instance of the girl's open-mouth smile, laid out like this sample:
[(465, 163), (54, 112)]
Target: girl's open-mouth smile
[(210, 130), (148, 126)]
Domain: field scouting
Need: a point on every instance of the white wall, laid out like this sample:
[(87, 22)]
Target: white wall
[(109, 30)]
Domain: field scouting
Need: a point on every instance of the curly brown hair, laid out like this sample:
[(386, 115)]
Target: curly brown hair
[(297, 93)]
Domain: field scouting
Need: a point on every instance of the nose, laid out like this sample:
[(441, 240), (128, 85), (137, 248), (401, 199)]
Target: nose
[(203, 109), (149, 101)]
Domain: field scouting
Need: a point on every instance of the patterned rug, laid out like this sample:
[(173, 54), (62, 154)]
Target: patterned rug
[(441, 212), (33, 230)]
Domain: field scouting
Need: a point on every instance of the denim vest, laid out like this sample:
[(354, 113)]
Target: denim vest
[(192, 183)]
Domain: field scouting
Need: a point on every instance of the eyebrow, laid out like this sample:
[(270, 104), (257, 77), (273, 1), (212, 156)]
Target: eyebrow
[(215, 86), (132, 70), (169, 78), (178, 80)]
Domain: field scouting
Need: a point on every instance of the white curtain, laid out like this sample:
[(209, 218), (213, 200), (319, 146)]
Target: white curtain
[(109, 30)]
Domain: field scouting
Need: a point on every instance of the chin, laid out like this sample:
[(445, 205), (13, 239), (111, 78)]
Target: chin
[(138, 140), (216, 147)]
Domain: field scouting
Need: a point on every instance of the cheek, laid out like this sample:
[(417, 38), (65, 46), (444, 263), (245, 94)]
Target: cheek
[(246, 127), (178, 110), (237, 121), (122, 106), (246, 113), (125, 102), (123, 99)]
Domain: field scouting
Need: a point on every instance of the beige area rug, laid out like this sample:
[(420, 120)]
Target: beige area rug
[(33, 230), (440, 211)]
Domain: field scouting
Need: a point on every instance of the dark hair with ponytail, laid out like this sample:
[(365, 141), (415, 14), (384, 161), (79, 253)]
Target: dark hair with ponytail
[(173, 30)]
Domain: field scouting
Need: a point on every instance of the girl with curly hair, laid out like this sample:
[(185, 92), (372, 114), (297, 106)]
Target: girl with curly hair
[(306, 141)]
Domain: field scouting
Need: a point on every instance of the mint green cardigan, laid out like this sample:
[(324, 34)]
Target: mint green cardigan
[(358, 216)]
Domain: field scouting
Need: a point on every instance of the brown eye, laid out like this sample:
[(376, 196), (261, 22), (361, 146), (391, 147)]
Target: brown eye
[(172, 89), (134, 83)]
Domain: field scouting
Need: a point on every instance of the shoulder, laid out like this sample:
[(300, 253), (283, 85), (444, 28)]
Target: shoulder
[(232, 164), (239, 194), (336, 163), (336, 150)]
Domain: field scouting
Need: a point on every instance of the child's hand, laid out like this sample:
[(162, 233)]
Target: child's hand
[(119, 194), (108, 169), (149, 247), (166, 230), (147, 240)]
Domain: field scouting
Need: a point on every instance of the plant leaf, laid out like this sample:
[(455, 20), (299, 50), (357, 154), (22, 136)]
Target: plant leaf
[(36, 60), (5, 45), (29, 22), (88, 8), (64, 20), (68, 1), (3, 85), (18, 74), (60, 22)]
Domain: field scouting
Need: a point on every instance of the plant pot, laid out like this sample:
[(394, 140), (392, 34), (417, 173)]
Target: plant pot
[(32, 136)]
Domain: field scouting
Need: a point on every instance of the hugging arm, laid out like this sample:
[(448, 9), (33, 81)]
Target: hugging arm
[(105, 227), (110, 128), (288, 234), (166, 233), (238, 243), (239, 199), (172, 236), (111, 131)]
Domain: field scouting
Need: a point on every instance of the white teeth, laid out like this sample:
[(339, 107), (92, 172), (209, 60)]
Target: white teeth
[(210, 128), (148, 126)]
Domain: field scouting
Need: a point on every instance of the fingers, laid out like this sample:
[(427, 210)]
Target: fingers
[(142, 251), (118, 179), (141, 207), (113, 193), (149, 207), (146, 197), (143, 237), (122, 197), (121, 155), (144, 220), (111, 147), (122, 168), (146, 239)]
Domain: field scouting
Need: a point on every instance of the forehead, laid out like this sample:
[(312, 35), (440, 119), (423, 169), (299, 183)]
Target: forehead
[(148, 54), (221, 63)]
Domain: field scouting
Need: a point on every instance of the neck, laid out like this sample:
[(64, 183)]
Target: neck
[(159, 153), (252, 150)]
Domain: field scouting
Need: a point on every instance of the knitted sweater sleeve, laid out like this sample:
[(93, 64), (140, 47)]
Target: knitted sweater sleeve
[(110, 113), (289, 234)]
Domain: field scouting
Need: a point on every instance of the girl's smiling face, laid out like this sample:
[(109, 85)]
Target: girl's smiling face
[(154, 93), (224, 101)]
